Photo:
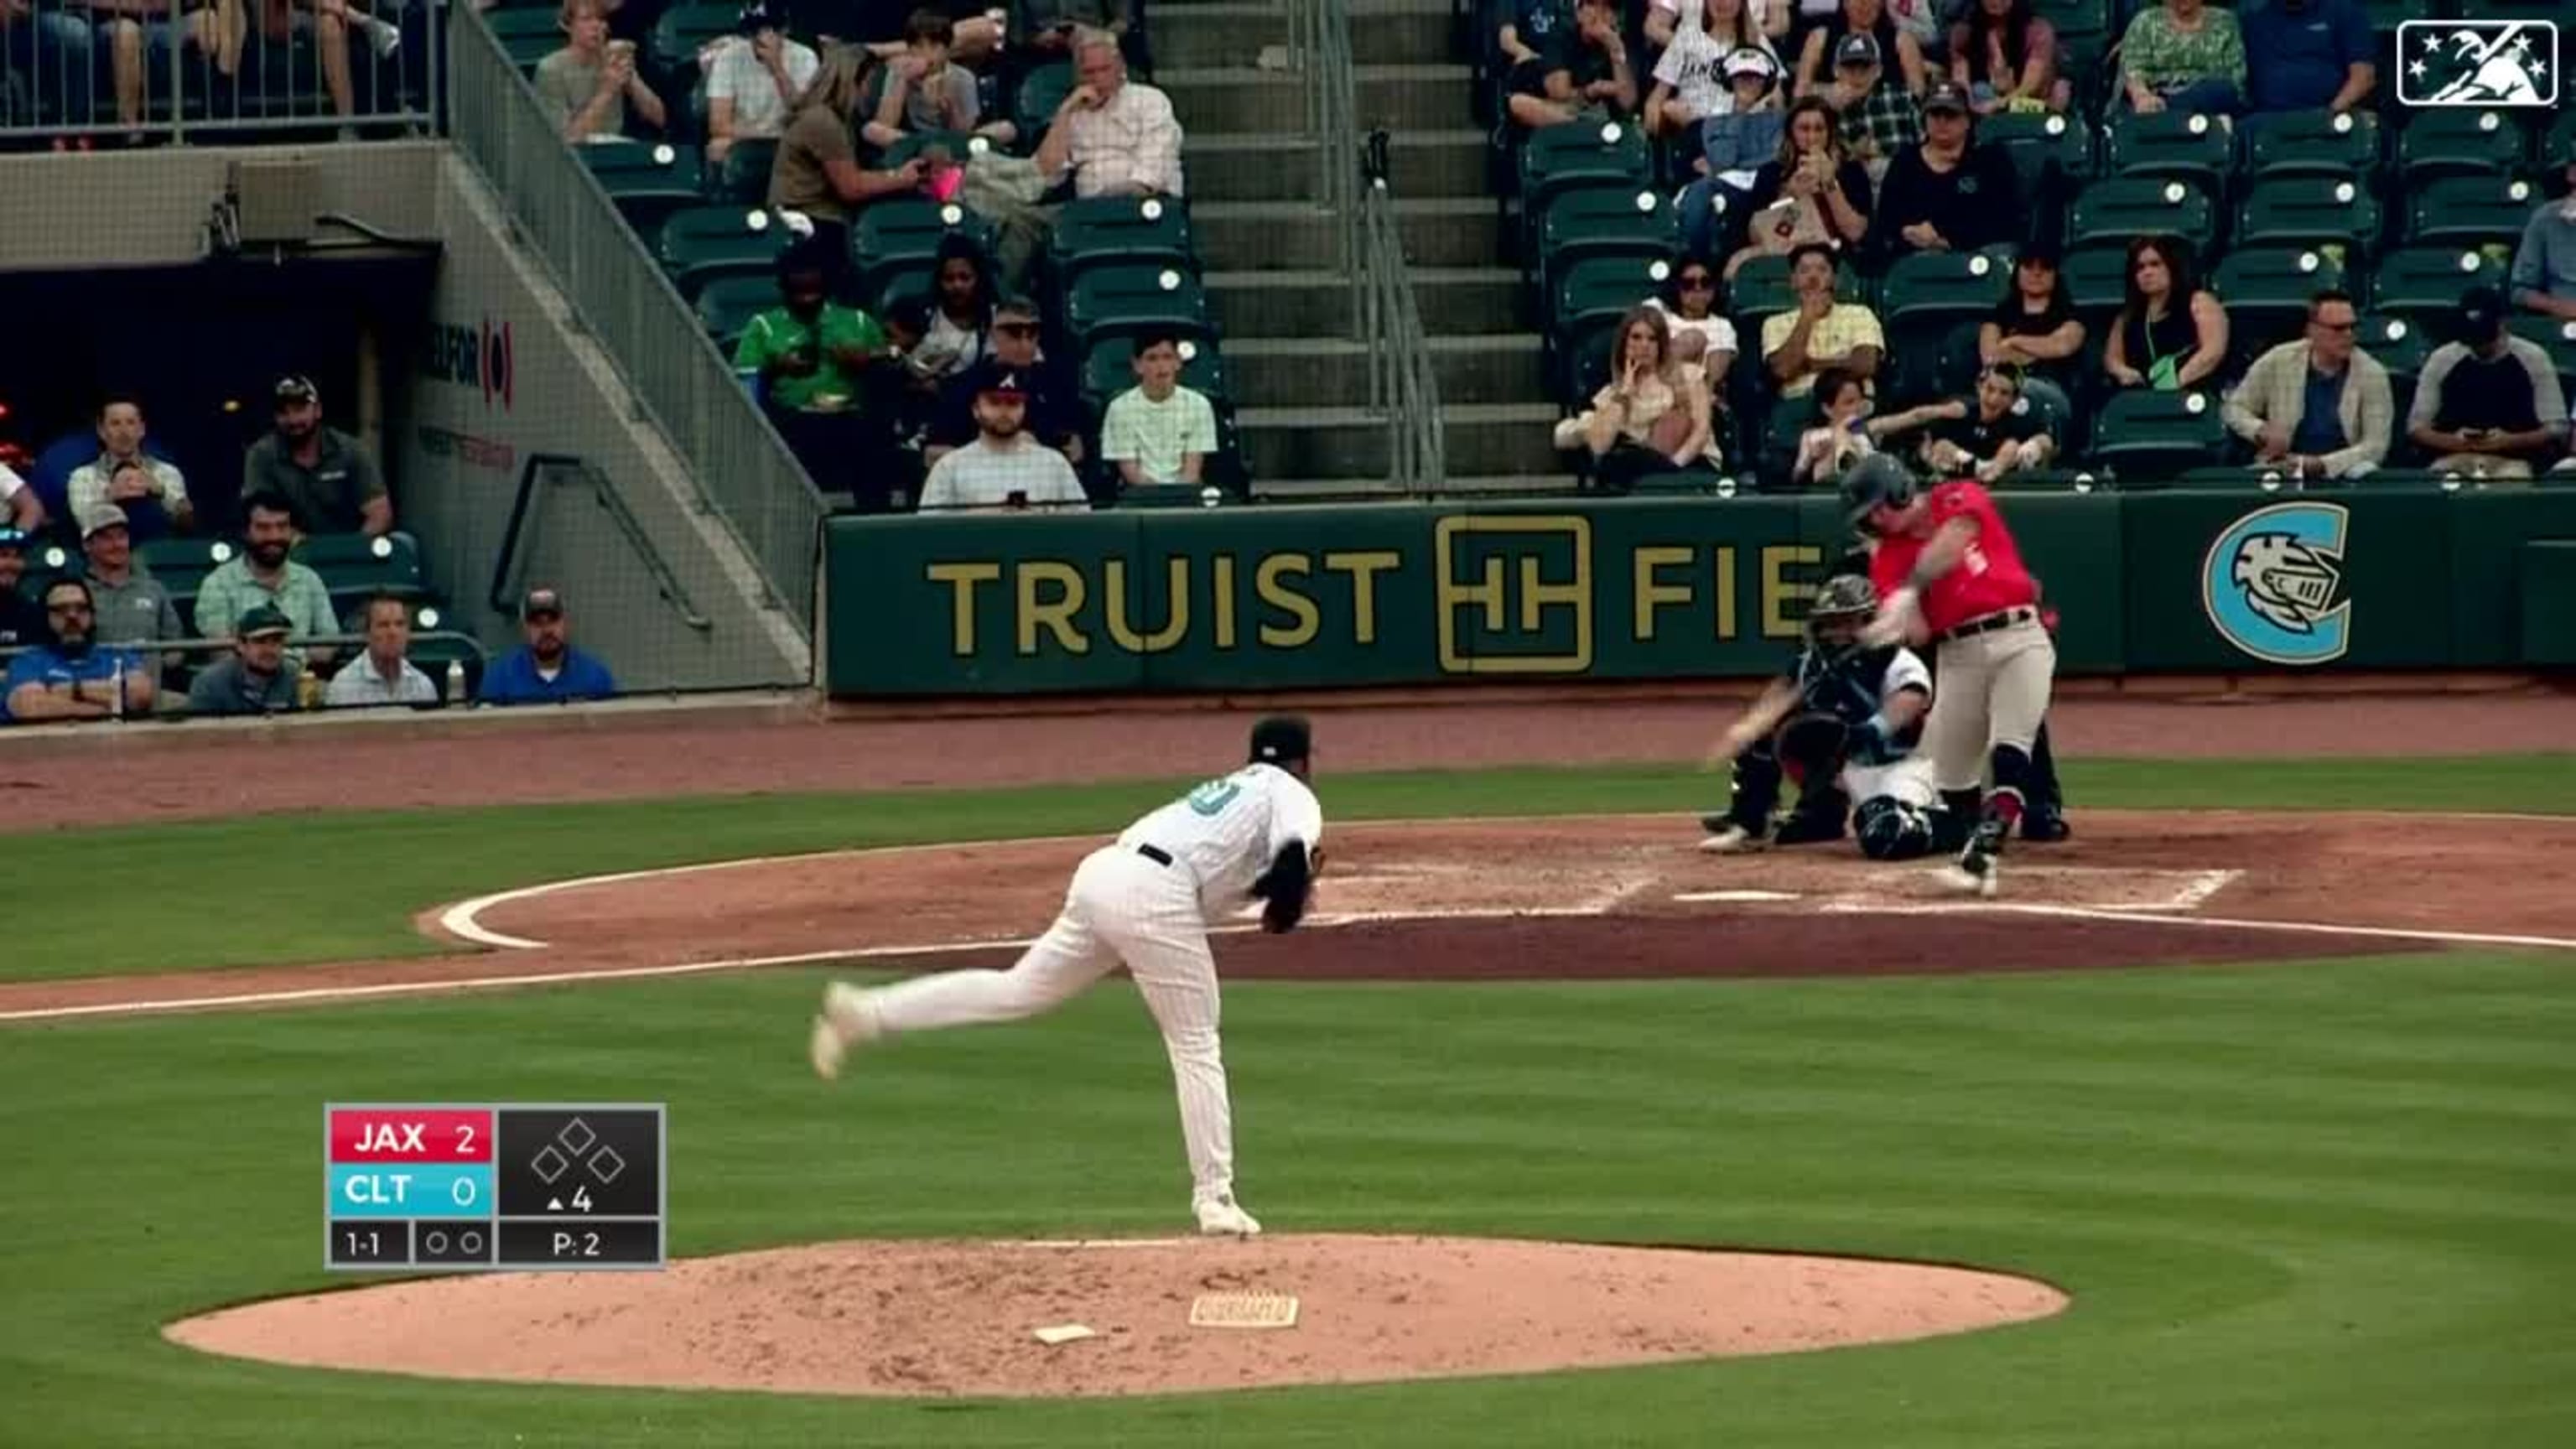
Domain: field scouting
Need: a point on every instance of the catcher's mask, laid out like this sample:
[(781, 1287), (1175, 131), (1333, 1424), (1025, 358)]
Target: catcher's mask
[(1842, 606)]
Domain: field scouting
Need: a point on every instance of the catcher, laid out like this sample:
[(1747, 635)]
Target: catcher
[(1841, 723)]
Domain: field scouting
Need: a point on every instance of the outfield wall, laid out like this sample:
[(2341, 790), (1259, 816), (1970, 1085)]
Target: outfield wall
[(1661, 588)]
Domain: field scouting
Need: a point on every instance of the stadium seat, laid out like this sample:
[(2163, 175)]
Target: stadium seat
[(2310, 211), (2233, 477), (2428, 281), (2560, 142), (706, 242), (648, 183), (2050, 480), (2556, 336), (181, 564), (1602, 222), (960, 145), (1168, 495), (356, 562), (905, 234), (2033, 139), (684, 31), (2122, 207), (1931, 292), (527, 36), (2469, 211), (1603, 289), (1042, 93), (1124, 300), (728, 304), (2266, 292), (2338, 146), (2185, 147), (1579, 154), (2146, 433), (2097, 278), (1109, 368), (2453, 142), (2075, 19), (2399, 344), (1108, 230)]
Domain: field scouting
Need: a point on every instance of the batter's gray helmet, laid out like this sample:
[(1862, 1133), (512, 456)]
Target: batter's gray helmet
[(1876, 479)]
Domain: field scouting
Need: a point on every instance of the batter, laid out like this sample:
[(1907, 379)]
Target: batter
[(1144, 901)]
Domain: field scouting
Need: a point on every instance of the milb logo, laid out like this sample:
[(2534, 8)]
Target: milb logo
[(1514, 593), (479, 358)]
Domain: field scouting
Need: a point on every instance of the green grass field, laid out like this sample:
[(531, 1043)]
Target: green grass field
[(2320, 1203)]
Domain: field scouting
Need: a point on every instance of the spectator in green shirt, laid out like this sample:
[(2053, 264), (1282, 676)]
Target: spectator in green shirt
[(2186, 56), (262, 574), (807, 361)]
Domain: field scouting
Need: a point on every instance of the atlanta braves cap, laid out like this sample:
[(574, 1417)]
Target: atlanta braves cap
[(1281, 737), (1857, 48)]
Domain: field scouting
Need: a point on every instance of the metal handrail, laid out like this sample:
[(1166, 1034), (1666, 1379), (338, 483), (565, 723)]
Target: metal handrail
[(1417, 449)]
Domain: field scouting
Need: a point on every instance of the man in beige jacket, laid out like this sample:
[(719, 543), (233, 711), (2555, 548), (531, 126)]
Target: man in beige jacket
[(2318, 408)]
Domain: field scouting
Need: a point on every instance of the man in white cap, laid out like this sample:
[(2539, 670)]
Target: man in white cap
[(133, 607)]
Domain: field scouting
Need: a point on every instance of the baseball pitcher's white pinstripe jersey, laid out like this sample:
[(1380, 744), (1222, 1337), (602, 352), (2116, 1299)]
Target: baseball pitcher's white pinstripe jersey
[(1227, 831)]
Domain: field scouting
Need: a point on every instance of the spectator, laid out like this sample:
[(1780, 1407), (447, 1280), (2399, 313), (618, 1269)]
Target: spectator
[(752, 81), (1819, 332), (69, 676), (592, 82), (878, 26), (2035, 329), (1003, 469), (1734, 146), (327, 22), (807, 360), (132, 606), (923, 90), (817, 173), (262, 574), (384, 673), (1158, 431), (259, 678), (153, 494), (22, 620), (1998, 431), (547, 669), (2544, 266), (1692, 76), (1651, 417), (1582, 72), (962, 282), (141, 36), (2489, 404), (2307, 55), (1762, 24), (907, 394), (1809, 194), (1843, 432), (1118, 136), (1530, 36), (2005, 58), (1045, 30), (2186, 55), (1703, 340), (1948, 194), (1832, 45), (1051, 415), (2320, 407), (325, 476), (56, 44), (25, 511), (2171, 333), (1877, 115)]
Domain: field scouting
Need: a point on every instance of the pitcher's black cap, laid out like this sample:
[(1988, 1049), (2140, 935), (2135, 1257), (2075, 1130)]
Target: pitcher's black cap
[(1280, 738)]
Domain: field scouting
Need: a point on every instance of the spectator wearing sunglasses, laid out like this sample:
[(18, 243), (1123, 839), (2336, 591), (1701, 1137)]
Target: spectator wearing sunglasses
[(1704, 341), (2320, 407), (70, 676), (1013, 348)]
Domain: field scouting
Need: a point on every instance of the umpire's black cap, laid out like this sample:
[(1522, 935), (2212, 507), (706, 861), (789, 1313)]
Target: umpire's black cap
[(1281, 738)]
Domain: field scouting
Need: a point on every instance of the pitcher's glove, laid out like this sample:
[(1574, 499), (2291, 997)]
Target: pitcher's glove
[(1286, 887)]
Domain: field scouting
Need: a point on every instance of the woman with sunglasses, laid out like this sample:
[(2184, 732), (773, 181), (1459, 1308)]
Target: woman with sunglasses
[(1703, 339)]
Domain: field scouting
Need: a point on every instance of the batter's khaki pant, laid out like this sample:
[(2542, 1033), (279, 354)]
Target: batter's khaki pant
[(1988, 689)]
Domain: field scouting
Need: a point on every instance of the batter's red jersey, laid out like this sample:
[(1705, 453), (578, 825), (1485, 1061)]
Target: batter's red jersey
[(1989, 578)]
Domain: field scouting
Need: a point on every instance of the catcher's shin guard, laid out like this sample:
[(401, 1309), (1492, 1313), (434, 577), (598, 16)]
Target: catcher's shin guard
[(1891, 829)]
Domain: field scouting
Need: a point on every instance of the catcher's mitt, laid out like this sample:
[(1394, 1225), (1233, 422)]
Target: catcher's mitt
[(1814, 738)]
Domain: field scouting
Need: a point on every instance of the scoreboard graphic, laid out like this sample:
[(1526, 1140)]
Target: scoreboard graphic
[(409, 1186)]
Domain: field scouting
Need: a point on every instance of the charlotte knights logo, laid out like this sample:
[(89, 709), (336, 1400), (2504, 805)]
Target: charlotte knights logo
[(2477, 62), (2271, 581)]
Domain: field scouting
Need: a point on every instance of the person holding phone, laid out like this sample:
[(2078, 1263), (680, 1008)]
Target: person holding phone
[(1004, 470), (2489, 403)]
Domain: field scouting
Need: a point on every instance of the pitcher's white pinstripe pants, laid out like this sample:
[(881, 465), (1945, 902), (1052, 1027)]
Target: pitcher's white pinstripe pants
[(1120, 907)]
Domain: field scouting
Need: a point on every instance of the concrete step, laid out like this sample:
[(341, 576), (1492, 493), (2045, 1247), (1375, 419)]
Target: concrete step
[(1217, 100), (1299, 490), (1310, 372), (1234, 33), (1482, 438), (1318, 303), (1274, 236), (1255, 167)]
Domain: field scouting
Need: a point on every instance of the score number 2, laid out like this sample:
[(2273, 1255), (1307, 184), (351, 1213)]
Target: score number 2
[(465, 1139)]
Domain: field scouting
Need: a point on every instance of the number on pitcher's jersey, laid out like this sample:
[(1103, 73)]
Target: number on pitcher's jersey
[(1228, 830)]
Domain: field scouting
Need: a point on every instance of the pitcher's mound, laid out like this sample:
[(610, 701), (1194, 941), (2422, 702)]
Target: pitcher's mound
[(946, 1318)]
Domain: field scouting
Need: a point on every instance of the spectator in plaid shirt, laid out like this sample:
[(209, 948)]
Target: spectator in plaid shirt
[(1004, 468), (261, 575), (1158, 431), (1118, 136), (1879, 114)]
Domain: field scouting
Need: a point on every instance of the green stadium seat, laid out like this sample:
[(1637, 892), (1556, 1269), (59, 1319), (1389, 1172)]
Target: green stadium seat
[(2073, 19), (905, 234), (1578, 154), (1124, 300), (2050, 480), (1790, 418), (2339, 146), (1107, 230), (2145, 433), (2560, 142), (2033, 139), (2556, 336), (1931, 292), (960, 145), (1596, 290), (2194, 148), (1761, 289), (2454, 142), (1042, 93), (2122, 207), (356, 563), (527, 36), (2097, 278), (2310, 211), (1169, 495), (727, 305), (706, 242), (1605, 223), (2428, 281), (2233, 477), (2400, 344), (648, 182), (1109, 368), (181, 564), (2266, 292), (684, 31), (2469, 211)]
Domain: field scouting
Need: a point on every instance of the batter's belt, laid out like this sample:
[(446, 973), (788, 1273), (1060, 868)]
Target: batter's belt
[(1988, 623)]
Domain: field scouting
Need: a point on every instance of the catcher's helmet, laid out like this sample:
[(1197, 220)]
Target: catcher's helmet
[(1876, 479), (1844, 598)]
